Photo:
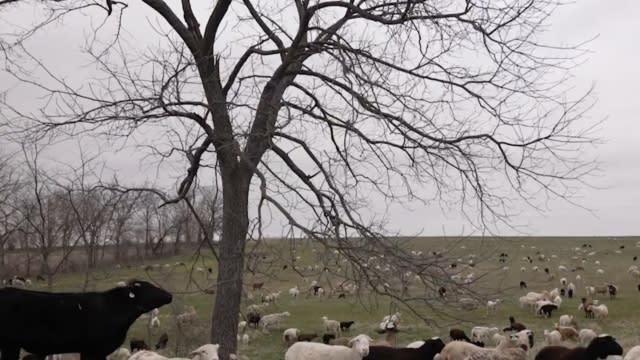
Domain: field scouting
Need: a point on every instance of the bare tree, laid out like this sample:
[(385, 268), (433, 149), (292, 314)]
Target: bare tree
[(322, 104), (10, 220)]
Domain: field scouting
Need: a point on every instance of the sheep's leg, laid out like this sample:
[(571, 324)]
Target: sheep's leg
[(10, 353)]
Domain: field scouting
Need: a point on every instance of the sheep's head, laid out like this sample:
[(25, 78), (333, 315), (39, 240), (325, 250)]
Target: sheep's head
[(360, 344), (144, 295)]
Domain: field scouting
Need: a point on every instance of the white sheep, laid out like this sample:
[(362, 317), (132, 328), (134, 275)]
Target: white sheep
[(390, 319), (188, 317), (567, 320), (273, 320), (331, 326), (119, 354), (563, 282), (553, 337), (290, 335), (483, 333), (600, 311), (155, 322), (586, 335), (507, 350), (359, 348), (294, 291), (492, 305), (562, 268), (633, 353), (498, 338), (242, 326), (243, 339), (205, 352), (578, 277), (557, 300)]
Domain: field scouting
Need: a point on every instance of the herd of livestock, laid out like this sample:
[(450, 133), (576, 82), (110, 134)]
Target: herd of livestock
[(95, 325)]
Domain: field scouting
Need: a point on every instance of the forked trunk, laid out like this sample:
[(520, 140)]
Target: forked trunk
[(235, 222)]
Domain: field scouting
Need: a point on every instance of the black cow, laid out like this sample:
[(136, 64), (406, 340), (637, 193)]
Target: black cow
[(93, 324)]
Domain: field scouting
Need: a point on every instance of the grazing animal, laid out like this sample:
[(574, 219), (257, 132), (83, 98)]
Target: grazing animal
[(599, 348), (553, 337), (568, 320), (458, 334), (587, 307), (317, 351), (58, 323), (162, 341), (257, 286), (345, 325), (514, 326), (137, 345), (426, 351), (613, 290), (331, 326), (510, 348), (290, 336), (523, 285), (567, 332), (633, 353), (442, 292), (311, 336), (586, 335), (253, 318), (547, 310)]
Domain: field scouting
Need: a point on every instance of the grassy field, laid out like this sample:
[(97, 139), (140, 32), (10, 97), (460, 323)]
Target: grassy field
[(367, 310)]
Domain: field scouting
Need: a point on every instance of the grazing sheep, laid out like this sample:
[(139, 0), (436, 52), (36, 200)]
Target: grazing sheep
[(567, 332), (137, 344), (514, 326), (587, 307), (57, 323), (586, 335), (599, 348), (188, 317), (290, 336), (162, 341), (483, 333), (523, 285), (547, 309), (311, 336), (294, 292), (345, 325), (633, 353), (458, 334), (273, 320), (331, 326), (568, 320), (553, 337), (613, 290), (206, 352), (600, 311), (317, 351), (492, 305), (509, 349), (426, 351)]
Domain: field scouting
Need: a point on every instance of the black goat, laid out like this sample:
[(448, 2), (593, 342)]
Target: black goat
[(345, 325), (162, 341), (427, 351), (93, 324), (599, 348)]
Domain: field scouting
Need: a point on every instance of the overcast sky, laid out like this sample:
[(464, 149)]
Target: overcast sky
[(612, 65)]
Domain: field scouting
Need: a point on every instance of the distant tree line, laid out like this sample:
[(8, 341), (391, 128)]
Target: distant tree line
[(55, 218)]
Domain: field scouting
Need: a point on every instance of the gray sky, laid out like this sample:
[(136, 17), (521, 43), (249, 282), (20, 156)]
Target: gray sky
[(613, 202)]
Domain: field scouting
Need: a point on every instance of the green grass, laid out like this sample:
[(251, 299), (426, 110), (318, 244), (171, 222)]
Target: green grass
[(368, 310)]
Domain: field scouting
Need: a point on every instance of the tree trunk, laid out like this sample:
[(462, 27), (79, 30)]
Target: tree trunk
[(224, 323)]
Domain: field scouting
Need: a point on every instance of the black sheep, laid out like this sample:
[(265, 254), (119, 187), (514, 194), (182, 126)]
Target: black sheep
[(325, 338), (570, 293), (93, 324), (137, 345), (523, 285), (613, 290), (345, 325), (599, 348), (514, 326), (442, 291), (311, 336), (547, 309), (427, 351), (458, 334), (253, 318), (162, 341)]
